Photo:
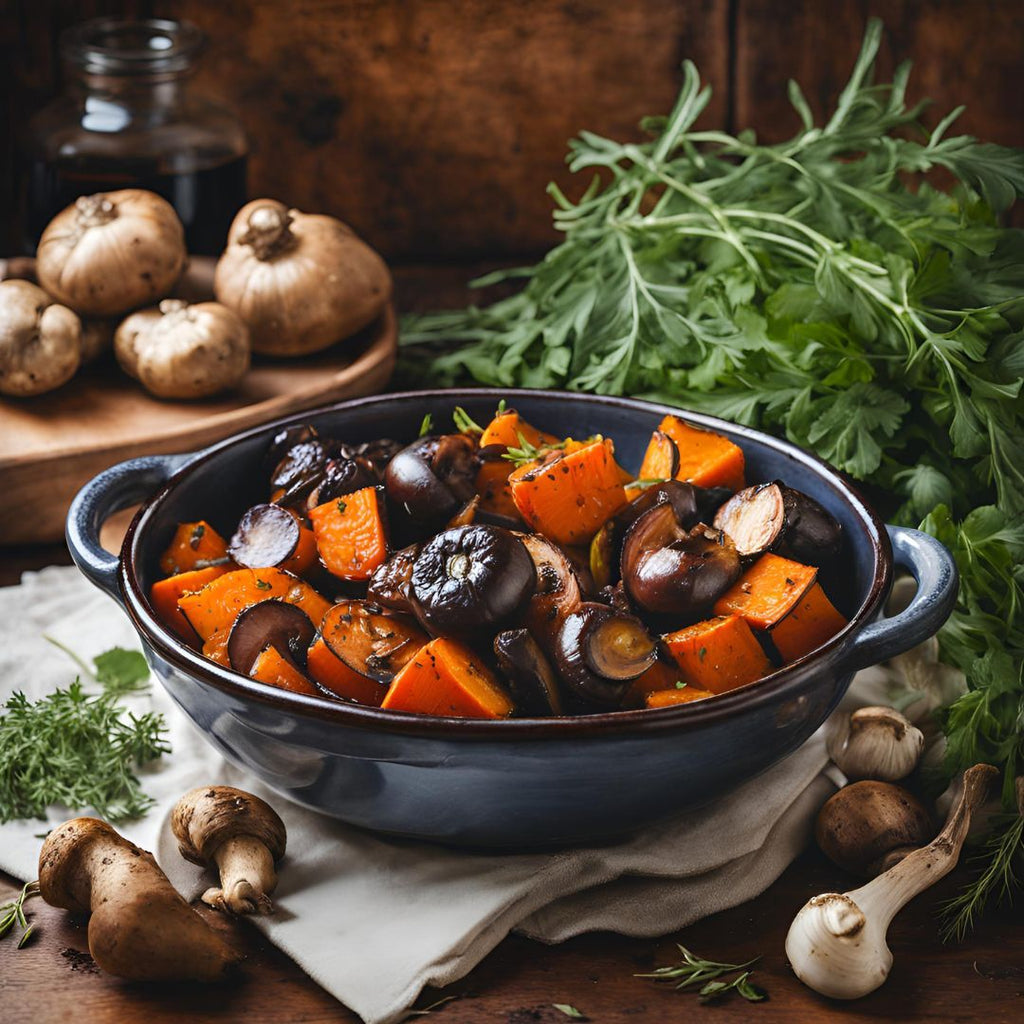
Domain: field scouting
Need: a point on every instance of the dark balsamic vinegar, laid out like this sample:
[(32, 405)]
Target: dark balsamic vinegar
[(206, 199)]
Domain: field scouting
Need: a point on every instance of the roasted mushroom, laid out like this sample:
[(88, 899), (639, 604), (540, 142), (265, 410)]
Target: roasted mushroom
[(277, 624), (531, 680), (391, 582), (299, 470), (471, 578), (773, 517), (431, 478), (267, 535), (341, 475), (369, 642), (599, 651), (671, 572)]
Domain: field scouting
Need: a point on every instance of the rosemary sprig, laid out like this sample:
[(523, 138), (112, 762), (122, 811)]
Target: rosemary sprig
[(464, 423), (711, 975), (426, 425), (527, 452), (14, 913)]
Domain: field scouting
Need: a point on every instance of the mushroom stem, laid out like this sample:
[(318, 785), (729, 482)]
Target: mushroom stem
[(140, 927), (94, 211), (246, 876), (837, 942), (269, 230)]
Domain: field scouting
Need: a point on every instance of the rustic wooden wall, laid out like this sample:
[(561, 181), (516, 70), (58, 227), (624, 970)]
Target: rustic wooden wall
[(433, 125)]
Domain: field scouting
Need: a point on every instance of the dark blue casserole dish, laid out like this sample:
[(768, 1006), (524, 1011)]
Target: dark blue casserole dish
[(516, 782)]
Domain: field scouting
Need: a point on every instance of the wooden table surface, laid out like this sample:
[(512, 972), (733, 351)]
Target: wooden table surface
[(53, 979)]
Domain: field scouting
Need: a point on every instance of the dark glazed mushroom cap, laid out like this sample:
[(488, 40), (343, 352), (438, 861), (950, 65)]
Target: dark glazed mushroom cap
[(206, 817), (469, 578), (270, 623), (430, 478), (267, 536), (531, 679)]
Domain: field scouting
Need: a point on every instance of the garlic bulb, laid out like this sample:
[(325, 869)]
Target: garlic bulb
[(40, 341), (874, 743), (183, 351), (837, 942), (111, 252)]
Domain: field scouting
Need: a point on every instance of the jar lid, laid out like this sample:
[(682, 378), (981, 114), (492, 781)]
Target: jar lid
[(114, 46)]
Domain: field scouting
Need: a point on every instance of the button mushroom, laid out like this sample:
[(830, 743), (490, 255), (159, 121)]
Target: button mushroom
[(238, 833), (278, 624), (868, 826), (140, 928), (182, 351), (40, 341), (431, 478)]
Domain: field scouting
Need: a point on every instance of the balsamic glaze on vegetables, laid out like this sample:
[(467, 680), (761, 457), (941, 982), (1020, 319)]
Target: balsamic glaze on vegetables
[(502, 570)]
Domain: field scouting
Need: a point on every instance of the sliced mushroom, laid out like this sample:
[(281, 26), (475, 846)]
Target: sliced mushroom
[(272, 623), (370, 642), (599, 651), (774, 517), (531, 679), (341, 475), (671, 572), (390, 584), (471, 578), (267, 536), (299, 470)]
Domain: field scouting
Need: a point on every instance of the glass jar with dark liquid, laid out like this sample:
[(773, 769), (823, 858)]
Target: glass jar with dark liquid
[(129, 120)]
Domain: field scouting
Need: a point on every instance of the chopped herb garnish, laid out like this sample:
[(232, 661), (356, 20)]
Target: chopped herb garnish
[(464, 423), (341, 506), (426, 425), (702, 654), (712, 977), (680, 685), (263, 585), (197, 535)]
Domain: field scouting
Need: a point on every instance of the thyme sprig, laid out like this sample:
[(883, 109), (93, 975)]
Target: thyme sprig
[(13, 913), (711, 975)]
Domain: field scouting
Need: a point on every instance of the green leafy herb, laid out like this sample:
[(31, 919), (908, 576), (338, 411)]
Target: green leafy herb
[(712, 977), (120, 671), (426, 425), (570, 1011), (13, 913), (264, 585), (464, 423), (680, 685), (643, 485), (820, 288), (527, 452), (342, 506), (77, 750)]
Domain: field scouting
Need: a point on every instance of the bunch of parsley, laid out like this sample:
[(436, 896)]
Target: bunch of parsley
[(823, 289)]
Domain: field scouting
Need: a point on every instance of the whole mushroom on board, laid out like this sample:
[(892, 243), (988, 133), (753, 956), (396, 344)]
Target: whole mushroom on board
[(182, 351), (140, 928), (241, 835), (40, 340), (111, 252), (301, 281), (837, 942)]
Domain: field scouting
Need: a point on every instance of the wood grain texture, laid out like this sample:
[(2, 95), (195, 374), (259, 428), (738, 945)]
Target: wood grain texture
[(433, 128), (980, 981), (963, 53)]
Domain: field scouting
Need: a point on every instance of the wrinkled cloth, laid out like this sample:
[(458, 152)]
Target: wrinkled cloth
[(348, 903)]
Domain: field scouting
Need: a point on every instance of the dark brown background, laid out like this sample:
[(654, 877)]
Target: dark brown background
[(433, 126)]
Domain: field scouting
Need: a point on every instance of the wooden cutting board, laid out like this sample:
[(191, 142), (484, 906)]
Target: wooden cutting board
[(51, 445)]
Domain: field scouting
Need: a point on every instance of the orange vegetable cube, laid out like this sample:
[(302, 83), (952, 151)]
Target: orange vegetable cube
[(215, 647), (569, 496), (667, 698), (718, 655), (333, 674), (810, 624), (273, 668), (350, 534), (662, 675), (768, 591), (704, 458), (194, 546), (511, 430), (445, 678), (493, 487), (217, 605), (165, 594)]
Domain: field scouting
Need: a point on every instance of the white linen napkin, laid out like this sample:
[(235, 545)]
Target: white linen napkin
[(349, 902)]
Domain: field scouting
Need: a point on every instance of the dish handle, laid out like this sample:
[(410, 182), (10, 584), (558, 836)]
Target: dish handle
[(116, 488), (932, 566)]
